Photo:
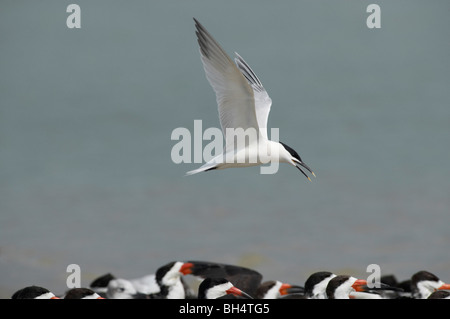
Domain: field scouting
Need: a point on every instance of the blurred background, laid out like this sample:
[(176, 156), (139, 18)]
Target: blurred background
[(86, 117)]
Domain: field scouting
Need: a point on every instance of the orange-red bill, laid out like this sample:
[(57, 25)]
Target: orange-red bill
[(237, 292), (444, 287), (287, 289), (360, 285), (186, 268), (284, 289)]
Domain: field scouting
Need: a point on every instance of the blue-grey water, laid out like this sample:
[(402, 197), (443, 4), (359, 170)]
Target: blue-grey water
[(86, 116)]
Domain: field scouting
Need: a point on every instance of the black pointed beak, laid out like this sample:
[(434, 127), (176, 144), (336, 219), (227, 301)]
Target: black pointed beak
[(387, 287), (300, 164), (288, 289), (295, 290), (381, 287), (238, 292)]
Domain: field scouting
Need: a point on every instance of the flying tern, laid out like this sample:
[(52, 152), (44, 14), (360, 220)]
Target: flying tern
[(244, 104)]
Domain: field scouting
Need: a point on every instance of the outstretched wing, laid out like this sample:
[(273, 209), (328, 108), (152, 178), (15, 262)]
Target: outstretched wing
[(243, 278), (262, 100), (234, 95)]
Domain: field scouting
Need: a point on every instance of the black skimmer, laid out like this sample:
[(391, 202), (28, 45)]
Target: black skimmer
[(168, 278), (34, 292), (82, 293), (243, 278), (220, 288), (316, 285), (100, 284), (424, 283), (274, 289), (348, 287)]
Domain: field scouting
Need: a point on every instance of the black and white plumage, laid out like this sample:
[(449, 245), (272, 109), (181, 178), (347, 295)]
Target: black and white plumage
[(34, 292), (168, 283), (424, 283), (168, 278), (316, 284), (341, 286), (82, 293), (243, 103), (220, 288), (143, 287), (100, 284), (123, 289), (243, 278), (108, 286), (275, 289), (348, 287)]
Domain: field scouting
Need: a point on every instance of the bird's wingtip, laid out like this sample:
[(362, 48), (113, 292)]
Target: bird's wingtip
[(196, 22)]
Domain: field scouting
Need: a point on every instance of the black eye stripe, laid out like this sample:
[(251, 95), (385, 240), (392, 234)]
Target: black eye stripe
[(292, 152)]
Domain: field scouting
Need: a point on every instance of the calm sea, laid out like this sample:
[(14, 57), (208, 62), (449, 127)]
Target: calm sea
[(86, 116)]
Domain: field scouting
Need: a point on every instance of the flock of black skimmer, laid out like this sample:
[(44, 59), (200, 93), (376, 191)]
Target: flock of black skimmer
[(223, 281)]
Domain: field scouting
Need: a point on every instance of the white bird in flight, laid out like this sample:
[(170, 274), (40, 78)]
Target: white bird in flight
[(243, 103)]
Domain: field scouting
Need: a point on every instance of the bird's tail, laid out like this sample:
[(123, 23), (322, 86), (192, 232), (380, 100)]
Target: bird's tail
[(204, 168), (215, 163)]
